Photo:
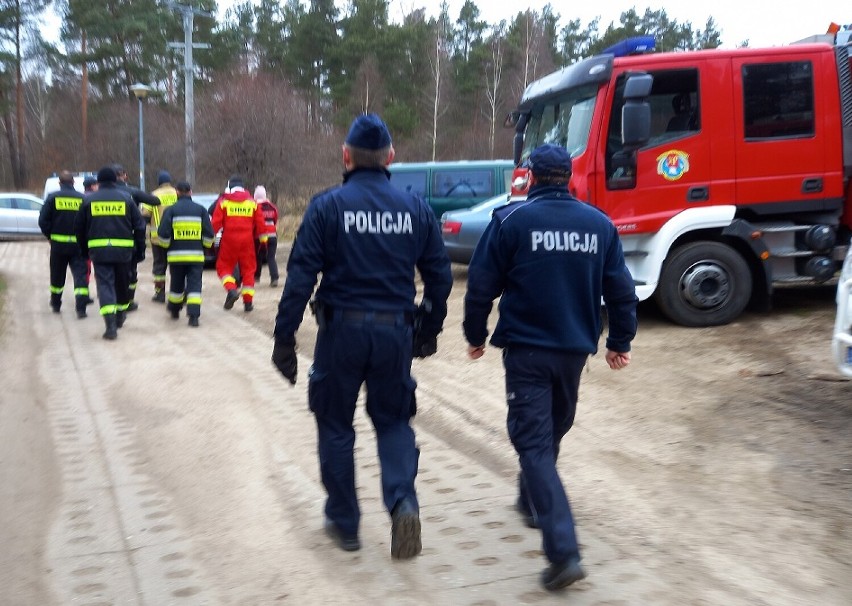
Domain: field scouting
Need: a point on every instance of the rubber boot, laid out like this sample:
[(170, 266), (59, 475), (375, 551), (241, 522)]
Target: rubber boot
[(133, 306), (159, 292), (174, 310), (80, 306), (111, 333), (55, 302), (120, 317)]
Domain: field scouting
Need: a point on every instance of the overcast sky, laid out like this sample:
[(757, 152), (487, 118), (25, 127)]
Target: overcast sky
[(762, 23), (738, 20)]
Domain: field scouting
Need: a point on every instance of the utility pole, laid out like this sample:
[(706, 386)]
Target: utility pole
[(188, 13)]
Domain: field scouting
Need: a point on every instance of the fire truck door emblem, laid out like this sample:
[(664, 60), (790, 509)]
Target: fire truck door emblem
[(672, 164)]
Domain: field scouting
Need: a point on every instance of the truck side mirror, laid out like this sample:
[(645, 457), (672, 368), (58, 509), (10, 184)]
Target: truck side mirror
[(636, 112), (518, 141)]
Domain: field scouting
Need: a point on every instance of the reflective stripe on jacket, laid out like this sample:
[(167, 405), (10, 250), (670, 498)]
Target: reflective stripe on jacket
[(168, 196), (109, 226), (185, 230), (57, 216)]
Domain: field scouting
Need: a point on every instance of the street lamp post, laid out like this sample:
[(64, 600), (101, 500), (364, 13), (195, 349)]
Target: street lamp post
[(141, 91)]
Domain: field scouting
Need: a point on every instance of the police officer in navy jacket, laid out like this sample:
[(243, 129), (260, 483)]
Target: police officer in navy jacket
[(553, 259), (366, 238)]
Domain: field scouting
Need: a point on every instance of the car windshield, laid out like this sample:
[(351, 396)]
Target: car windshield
[(565, 120)]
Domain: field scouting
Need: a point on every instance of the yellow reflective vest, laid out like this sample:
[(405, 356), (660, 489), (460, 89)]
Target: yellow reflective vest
[(168, 196)]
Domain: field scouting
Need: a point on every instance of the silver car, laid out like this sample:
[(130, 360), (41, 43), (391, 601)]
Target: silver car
[(461, 229), (19, 215)]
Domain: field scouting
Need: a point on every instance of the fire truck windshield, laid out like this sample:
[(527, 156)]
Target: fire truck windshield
[(563, 120)]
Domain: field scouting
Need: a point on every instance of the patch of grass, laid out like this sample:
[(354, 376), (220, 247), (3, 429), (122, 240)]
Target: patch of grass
[(291, 211)]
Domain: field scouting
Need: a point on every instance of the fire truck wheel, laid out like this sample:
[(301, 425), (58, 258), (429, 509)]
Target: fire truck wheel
[(704, 284)]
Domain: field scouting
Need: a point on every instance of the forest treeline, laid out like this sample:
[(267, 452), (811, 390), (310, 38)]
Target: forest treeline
[(277, 83)]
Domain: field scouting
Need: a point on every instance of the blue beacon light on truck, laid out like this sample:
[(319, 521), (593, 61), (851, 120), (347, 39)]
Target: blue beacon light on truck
[(638, 45)]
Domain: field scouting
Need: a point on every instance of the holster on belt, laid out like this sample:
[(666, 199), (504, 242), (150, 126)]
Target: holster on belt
[(318, 310)]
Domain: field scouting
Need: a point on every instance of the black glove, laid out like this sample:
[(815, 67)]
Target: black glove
[(424, 345), (425, 340), (284, 358)]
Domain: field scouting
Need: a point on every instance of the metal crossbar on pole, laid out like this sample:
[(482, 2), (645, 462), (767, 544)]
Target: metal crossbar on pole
[(188, 12)]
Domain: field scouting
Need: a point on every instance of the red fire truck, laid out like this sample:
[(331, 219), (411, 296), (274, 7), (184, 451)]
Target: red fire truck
[(727, 172)]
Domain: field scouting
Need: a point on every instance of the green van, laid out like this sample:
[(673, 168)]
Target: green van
[(453, 185)]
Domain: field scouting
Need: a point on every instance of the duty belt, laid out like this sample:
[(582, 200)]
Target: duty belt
[(352, 316)]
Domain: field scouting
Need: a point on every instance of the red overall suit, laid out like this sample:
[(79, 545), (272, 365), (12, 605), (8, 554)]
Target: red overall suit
[(241, 222)]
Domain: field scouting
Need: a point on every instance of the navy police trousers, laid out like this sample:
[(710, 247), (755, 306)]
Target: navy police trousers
[(355, 348), (541, 391)]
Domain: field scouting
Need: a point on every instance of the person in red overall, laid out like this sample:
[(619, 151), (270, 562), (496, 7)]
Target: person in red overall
[(267, 252), (241, 222)]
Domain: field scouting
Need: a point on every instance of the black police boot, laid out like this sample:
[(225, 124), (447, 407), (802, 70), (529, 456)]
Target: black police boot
[(55, 302), (344, 541), (111, 333), (405, 531), (120, 317), (559, 576)]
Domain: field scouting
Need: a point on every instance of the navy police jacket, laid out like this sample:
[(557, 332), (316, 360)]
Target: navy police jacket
[(109, 226), (553, 259), (366, 237)]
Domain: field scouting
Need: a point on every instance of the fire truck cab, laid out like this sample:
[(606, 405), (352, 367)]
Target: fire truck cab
[(725, 171)]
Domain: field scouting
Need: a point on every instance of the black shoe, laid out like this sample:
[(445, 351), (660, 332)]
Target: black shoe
[(273, 283), (175, 313), (559, 576), (231, 298), (405, 531), (345, 542), (55, 308), (248, 306), (133, 306), (193, 321), (530, 519), (159, 297), (120, 317), (81, 313)]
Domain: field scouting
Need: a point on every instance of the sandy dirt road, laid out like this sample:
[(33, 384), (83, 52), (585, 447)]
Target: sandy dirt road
[(174, 466)]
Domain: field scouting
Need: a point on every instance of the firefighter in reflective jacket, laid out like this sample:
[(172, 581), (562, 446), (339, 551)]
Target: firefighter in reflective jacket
[(185, 231), (56, 221), (111, 231), (167, 196), (241, 222)]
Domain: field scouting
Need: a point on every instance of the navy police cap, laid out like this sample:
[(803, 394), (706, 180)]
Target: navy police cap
[(550, 159), (368, 131)]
